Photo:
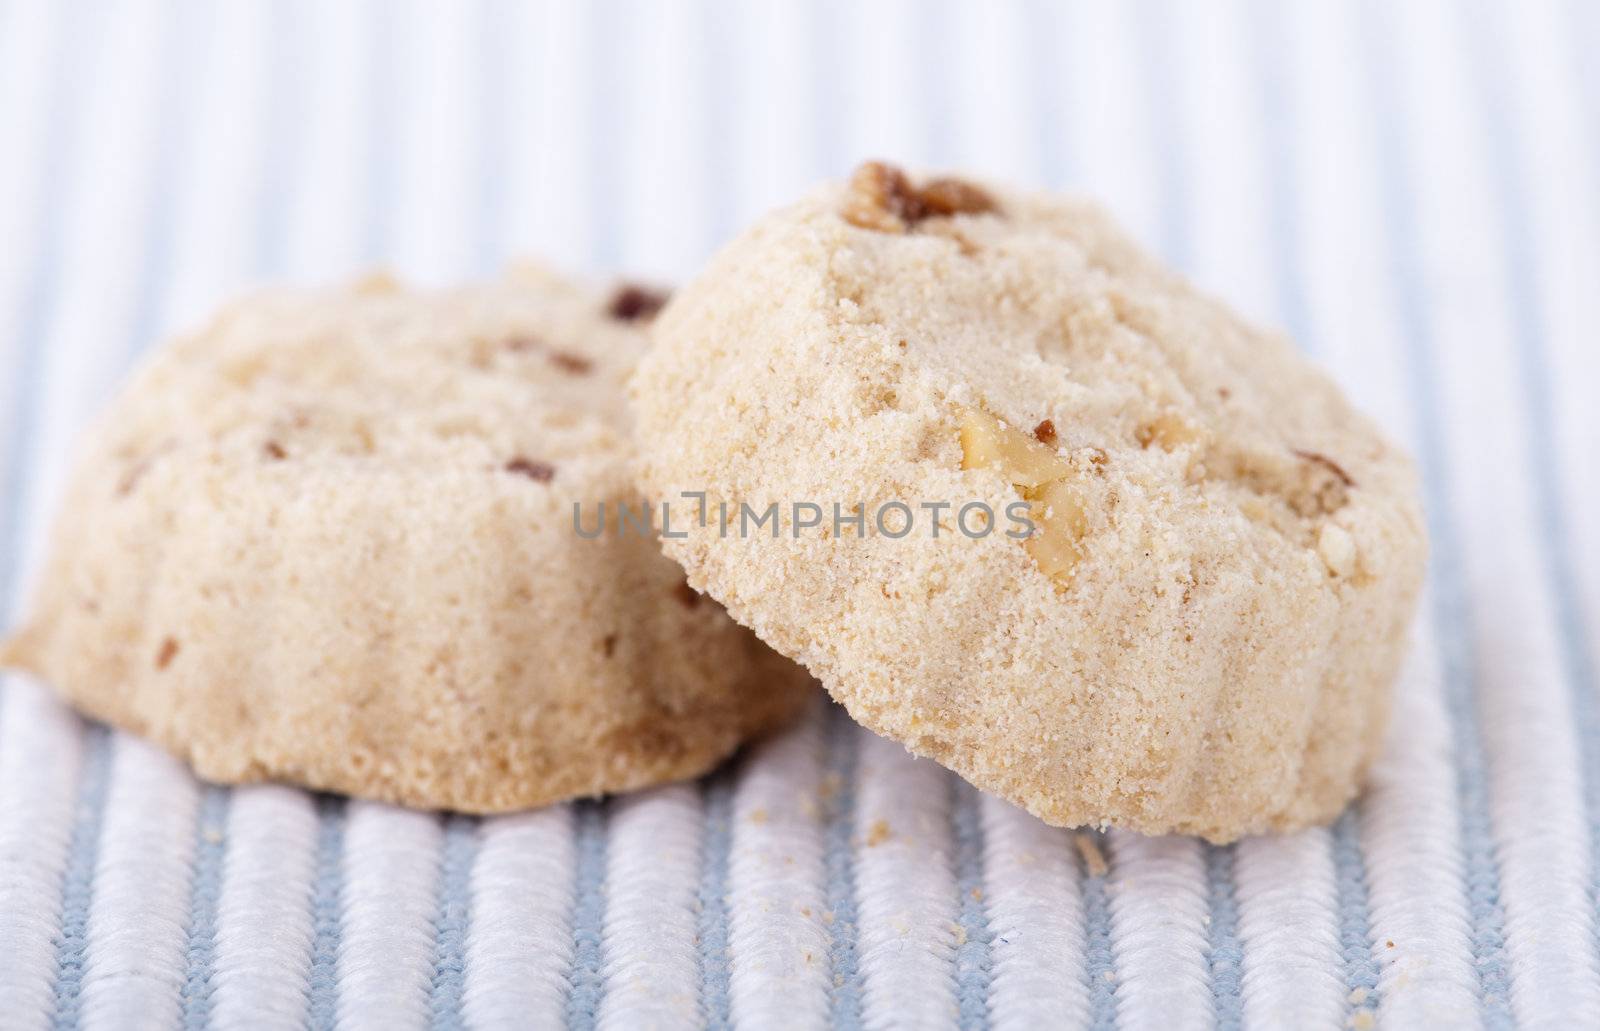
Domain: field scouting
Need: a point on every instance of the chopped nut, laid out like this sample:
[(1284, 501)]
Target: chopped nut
[(577, 365), (1045, 432), (1057, 507), (167, 652), (882, 198), (987, 443), (632, 303), (1062, 521), (1337, 548), (543, 472), (955, 197)]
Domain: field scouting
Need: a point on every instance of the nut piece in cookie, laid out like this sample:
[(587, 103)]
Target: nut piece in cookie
[(883, 198), (1042, 478)]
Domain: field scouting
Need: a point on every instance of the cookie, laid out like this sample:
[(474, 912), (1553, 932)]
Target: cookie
[(330, 539), (1044, 513)]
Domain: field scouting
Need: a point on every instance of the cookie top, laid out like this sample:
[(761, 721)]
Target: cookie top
[(330, 539), (1193, 624)]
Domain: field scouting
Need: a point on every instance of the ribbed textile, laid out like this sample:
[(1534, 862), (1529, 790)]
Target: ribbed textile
[(1412, 190)]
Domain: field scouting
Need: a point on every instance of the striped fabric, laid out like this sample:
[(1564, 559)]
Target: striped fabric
[(1413, 189)]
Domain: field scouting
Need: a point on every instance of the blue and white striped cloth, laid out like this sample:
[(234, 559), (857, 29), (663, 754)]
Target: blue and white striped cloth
[(1413, 189)]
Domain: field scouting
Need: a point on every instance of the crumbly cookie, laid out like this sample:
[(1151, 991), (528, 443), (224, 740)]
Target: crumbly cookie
[(330, 540), (1200, 631)]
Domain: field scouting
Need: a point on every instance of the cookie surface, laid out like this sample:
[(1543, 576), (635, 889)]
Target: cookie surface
[(329, 539), (1200, 632)]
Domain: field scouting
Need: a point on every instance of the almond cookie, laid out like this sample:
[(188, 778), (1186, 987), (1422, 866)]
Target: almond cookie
[(1086, 537), (330, 540)]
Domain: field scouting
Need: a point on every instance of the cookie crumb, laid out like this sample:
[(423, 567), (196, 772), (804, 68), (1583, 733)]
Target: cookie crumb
[(878, 833), (519, 344), (1045, 432), (1094, 860), (608, 646), (687, 596), (633, 303), (543, 472), (274, 450), (167, 652)]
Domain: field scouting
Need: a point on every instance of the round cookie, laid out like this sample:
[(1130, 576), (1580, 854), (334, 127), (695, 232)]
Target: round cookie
[(1193, 624), (330, 539)]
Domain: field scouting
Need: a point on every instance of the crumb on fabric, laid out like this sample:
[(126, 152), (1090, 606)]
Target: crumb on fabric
[(1094, 860)]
